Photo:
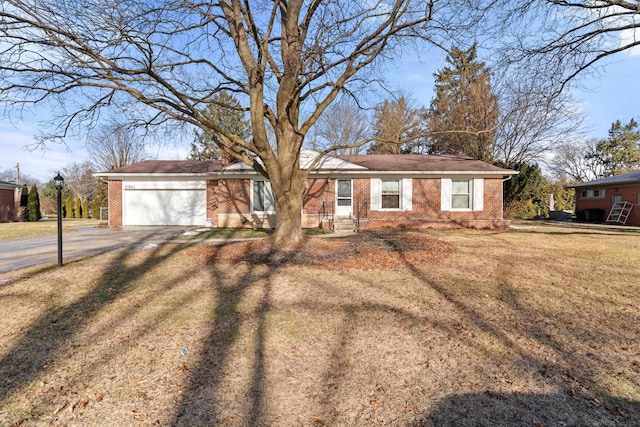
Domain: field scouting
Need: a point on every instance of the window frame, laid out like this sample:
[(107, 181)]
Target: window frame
[(397, 194), (591, 194), (263, 195), (468, 194)]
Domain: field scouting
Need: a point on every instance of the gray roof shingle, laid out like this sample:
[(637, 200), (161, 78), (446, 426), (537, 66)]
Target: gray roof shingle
[(421, 163), (372, 162), (171, 167), (627, 178)]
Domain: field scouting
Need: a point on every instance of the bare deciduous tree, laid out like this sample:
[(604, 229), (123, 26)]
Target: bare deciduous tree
[(532, 123), (344, 127), (113, 145), (575, 161), (78, 177), (559, 39), (162, 61), (397, 127)]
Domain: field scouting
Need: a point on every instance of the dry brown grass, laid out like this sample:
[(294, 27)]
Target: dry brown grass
[(532, 327)]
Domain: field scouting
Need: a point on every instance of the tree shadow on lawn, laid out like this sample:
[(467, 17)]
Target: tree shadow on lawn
[(538, 410), (46, 341), (578, 402), (200, 401), (584, 402)]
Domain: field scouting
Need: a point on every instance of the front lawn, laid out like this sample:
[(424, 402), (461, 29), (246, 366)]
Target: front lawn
[(44, 227), (537, 326)]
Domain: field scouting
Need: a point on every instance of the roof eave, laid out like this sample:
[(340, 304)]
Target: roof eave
[(320, 172)]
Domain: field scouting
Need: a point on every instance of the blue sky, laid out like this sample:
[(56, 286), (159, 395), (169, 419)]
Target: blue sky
[(611, 95)]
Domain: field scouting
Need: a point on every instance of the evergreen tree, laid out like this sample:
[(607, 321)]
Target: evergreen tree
[(68, 212), (463, 115), (33, 204), (226, 113), (524, 193), (77, 213), (85, 210), (620, 153), (100, 199), (24, 203)]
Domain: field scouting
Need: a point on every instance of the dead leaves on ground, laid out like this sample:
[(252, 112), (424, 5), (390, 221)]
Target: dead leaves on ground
[(363, 251)]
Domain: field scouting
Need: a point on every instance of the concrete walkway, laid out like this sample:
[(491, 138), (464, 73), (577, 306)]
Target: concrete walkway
[(22, 253)]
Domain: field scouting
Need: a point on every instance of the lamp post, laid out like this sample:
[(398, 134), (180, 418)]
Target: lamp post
[(58, 182)]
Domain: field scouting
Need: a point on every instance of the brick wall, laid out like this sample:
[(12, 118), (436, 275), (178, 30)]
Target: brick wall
[(7, 204), (228, 205), (426, 211), (115, 203), (212, 202), (629, 193)]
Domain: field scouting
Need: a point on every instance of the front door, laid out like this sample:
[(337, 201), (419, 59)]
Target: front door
[(344, 197)]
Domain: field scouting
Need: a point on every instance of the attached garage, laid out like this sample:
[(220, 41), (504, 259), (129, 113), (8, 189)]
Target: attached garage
[(164, 202)]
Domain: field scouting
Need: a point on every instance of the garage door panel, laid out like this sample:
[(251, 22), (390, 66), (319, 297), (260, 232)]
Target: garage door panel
[(164, 207)]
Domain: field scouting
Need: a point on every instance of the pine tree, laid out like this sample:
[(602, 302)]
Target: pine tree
[(523, 193), (620, 153), (33, 205), (24, 203), (77, 213), (226, 113), (464, 113), (85, 210), (68, 212), (100, 199)]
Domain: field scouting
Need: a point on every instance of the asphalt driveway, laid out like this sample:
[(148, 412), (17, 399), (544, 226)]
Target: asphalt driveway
[(22, 253)]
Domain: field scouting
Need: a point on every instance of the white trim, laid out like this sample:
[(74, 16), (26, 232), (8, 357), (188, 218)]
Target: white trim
[(343, 210), (445, 194), (478, 194), (252, 202), (406, 189), (346, 173), (375, 199), (405, 196)]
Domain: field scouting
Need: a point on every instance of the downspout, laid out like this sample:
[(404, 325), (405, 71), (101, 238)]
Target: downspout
[(502, 198)]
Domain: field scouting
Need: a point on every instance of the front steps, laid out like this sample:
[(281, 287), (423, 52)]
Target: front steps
[(343, 224)]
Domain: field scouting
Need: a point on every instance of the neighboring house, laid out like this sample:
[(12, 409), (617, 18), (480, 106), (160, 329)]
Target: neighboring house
[(367, 191), (8, 201), (595, 199)]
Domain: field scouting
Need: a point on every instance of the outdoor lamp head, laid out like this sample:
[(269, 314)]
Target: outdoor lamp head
[(58, 180)]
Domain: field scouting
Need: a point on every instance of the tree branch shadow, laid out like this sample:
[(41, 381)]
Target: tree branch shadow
[(200, 403), (47, 338)]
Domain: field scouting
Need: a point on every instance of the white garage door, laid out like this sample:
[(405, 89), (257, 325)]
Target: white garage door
[(164, 203)]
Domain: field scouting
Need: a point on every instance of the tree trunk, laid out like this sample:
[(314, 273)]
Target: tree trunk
[(288, 199), (288, 232)]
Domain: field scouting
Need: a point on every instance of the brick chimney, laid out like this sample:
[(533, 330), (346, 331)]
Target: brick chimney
[(226, 158)]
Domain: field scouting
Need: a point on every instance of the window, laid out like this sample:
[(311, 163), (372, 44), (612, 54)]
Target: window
[(592, 194), (460, 194), (344, 192), (262, 197), (390, 194)]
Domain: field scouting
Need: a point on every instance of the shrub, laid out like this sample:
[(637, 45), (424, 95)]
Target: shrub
[(33, 205), (24, 203), (68, 211)]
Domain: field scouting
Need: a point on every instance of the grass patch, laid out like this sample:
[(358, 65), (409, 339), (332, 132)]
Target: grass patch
[(23, 230), (533, 326), (244, 233)]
